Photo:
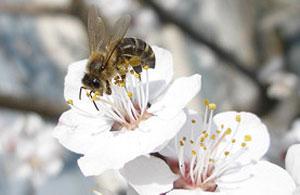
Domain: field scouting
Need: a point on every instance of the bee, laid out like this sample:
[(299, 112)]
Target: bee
[(112, 56)]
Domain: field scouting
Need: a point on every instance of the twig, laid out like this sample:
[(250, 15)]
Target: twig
[(265, 103), (43, 107)]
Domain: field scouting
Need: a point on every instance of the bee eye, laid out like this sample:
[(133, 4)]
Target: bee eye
[(96, 83)]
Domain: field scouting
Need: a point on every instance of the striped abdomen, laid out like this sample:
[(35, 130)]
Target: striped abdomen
[(137, 52)]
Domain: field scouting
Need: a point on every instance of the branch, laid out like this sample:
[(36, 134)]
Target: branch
[(40, 106), (265, 103)]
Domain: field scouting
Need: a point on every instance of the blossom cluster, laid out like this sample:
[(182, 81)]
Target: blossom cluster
[(160, 147)]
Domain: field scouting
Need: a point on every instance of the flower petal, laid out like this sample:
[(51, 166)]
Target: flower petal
[(113, 149), (292, 162), (194, 192), (161, 76), (250, 124), (149, 175), (190, 130), (77, 132), (180, 92), (267, 178)]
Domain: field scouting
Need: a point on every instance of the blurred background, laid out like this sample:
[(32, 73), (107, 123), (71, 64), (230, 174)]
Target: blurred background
[(247, 51)]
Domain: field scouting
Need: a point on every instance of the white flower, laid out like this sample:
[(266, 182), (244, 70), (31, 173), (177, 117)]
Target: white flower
[(29, 149), (292, 164), (213, 155), (139, 117)]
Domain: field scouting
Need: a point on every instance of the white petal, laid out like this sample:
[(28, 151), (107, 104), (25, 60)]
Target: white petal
[(297, 191), (194, 192), (161, 76), (78, 133), (149, 175), (53, 166), (113, 149), (250, 125), (292, 162), (180, 92), (189, 130), (268, 179)]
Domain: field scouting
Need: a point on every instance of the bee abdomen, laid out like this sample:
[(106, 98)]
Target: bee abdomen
[(130, 48)]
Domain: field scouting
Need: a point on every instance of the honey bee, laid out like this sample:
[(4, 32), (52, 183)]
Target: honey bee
[(112, 55)]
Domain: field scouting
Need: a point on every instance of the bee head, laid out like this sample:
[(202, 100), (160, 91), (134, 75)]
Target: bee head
[(91, 82)]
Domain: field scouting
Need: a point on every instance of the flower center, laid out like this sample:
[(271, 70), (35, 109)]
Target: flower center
[(127, 105), (203, 159)]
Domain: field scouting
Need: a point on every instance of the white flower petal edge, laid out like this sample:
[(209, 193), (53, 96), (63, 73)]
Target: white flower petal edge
[(267, 178), (112, 150), (292, 162), (78, 132), (149, 175), (180, 92), (251, 125)]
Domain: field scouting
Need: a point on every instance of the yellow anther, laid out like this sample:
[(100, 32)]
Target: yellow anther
[(228, 131), (212, 106), (205, 135), (218, 131), (243, 144), (132, 71), (233, 141), (206, 102), (204, 148), (130, 94), (238, 118), (181, 143), (192, 142), (194, 153), (222, 126), (226, 153), (204, 132), (201, 144), (70, 102), (202, 139), (193, 121), (247, 138), (211, 160), (213, 137), (183, 138), (146, 67)]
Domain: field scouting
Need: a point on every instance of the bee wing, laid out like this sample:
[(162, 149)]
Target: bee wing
[(117, 33), (96, 30)]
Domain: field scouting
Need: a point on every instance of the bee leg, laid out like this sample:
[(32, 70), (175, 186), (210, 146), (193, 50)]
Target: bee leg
[(92, 91), (80, 91), (95, 105), (108, 88)]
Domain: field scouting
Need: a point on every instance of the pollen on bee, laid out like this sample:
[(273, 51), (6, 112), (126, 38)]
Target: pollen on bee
[(145, 67), (70, 102)]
